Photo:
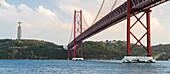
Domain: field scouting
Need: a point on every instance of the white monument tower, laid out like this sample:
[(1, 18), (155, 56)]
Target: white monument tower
[(19, 31)]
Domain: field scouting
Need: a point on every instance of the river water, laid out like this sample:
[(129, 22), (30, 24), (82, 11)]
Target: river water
[(82, 67)]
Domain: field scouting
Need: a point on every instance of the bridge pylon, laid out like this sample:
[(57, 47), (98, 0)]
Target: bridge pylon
[(76, 52), (129, 58)]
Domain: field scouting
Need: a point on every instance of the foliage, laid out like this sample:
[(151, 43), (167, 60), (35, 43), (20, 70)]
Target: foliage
[(30, 49), (36, 49), (117, 50)]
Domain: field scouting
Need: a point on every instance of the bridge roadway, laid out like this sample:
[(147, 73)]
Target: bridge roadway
[(116, 16)]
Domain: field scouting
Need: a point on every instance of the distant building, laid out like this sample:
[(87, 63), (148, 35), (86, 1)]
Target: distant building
[(19, 37), (110, 42)]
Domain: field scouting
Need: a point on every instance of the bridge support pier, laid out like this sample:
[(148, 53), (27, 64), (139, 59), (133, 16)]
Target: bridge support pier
[(138, 59), (129, 58)]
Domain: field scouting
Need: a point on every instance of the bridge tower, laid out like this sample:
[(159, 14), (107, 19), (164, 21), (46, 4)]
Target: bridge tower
[(130, 11), (77, 52)]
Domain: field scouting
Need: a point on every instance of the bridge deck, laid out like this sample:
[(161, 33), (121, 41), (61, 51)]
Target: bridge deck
[(116, 16)]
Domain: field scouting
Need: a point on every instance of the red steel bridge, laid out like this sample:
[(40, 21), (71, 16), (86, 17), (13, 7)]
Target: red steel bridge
[(124, 11)]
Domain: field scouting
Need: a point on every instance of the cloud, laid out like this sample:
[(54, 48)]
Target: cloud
[(89, 7), (89, 10), (47, 12), (156, 25), (5, 4), (55, 24), (40, 17), (68, 9), (36, 21)]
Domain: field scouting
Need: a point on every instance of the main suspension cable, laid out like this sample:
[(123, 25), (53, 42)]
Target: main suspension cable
[(85, 22), (113, 5), (71, 33), (98, 12)]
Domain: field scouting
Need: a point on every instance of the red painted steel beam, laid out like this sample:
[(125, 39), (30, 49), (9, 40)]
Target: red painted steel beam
[(138, 41), (128, 26), (116, 16), (148, 32), (81, 33), (74, 33), (139, 21)]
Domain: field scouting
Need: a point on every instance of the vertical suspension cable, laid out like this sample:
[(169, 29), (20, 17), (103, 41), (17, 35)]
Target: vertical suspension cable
[(113, 5), (85, 21), (98, 12), (71, 33)]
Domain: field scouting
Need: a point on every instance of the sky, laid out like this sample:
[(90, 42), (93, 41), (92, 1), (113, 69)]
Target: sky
[(52, 20)]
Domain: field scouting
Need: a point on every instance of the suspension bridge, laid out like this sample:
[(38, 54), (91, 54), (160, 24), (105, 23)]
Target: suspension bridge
[(124, 11)]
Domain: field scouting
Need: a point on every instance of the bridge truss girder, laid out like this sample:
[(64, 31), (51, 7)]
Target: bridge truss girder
[(117, 15)]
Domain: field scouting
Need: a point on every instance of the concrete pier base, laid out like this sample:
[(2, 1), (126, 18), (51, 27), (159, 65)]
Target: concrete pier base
[(77, 59), (138, 59)]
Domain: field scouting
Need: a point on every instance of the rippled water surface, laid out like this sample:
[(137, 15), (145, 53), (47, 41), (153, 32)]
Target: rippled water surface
[(81, 67)]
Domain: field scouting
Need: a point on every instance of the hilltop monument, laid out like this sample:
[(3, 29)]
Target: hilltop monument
[(19, 37)]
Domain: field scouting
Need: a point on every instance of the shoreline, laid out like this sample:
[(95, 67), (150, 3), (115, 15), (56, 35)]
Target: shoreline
[(66, 59)]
